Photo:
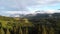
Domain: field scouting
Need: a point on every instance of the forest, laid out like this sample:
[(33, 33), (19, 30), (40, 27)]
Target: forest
[(31, 25)]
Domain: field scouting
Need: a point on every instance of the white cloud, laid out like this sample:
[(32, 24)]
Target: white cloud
[(8, 13), (22, 5), (19, 12), (31, 12)]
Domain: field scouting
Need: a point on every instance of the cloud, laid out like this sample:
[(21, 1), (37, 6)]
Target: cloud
[(21, 5), (18, 12), (11, 5), (24, 12), (12, 13), (8, 7)]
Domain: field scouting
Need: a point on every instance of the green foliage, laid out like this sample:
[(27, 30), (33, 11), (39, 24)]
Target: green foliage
[(44, 25)]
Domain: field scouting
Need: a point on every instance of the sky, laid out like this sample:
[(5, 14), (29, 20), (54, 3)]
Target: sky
[(8, 7)]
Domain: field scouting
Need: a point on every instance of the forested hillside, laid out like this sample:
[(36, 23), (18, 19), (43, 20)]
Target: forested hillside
[(30, 25)]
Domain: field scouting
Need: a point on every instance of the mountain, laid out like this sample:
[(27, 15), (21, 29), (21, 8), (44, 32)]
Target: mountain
[(36, 14)]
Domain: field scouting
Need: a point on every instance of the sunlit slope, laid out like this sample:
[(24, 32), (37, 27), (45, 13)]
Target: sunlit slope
[(18, 21)]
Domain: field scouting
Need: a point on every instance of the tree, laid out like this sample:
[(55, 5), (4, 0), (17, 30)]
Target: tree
[(0, 28)]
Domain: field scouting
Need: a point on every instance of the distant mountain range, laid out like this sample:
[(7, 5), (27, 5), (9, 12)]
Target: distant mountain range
[(36, 14)]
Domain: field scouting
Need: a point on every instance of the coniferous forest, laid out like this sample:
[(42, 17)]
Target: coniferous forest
[(30, 25)]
